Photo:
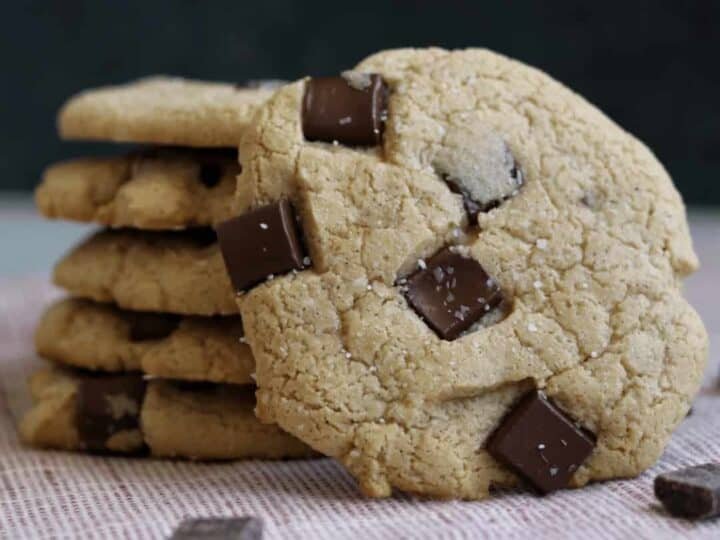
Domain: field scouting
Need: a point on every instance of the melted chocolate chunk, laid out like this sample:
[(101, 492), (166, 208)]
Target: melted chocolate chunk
[(451, 292), (149, 326), (350, 109), (244, 528), (692, 492), (261, 244), (106, 405), (540, 443)]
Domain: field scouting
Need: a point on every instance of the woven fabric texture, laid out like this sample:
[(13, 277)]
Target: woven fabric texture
[(63, 495)]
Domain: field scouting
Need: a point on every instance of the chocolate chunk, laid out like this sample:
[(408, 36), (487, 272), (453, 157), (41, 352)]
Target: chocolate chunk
[(477, 163), (261, 244), (149, 326), (350, 109), (106, 405), (692, 492), (245, 528), (451, 292), (540, 443)]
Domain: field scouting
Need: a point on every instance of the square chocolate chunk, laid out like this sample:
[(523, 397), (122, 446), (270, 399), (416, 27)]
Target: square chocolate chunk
[(451, 292), (540, 443), (106, 405), (692, 492), (245, 528), (261, 244), (350, 109)]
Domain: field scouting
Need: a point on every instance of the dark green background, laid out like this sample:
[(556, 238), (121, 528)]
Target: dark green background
[(652, 66)]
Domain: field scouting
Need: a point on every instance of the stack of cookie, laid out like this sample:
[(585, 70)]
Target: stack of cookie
[(147, 351), (454, 274)]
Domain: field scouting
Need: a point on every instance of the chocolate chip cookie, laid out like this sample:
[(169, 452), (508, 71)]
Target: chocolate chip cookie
[(462, 251), (162, 110), (127, 414), (101, 337), (154, 189)]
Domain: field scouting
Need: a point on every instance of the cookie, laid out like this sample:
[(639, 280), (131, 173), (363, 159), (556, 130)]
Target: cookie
[(100, 337), (162, 110), (157, 188), (179, 272), (488, 254), (124, 414)]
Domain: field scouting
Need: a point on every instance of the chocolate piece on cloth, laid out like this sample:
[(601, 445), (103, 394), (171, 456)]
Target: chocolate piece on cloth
[(350, 109), (245, 528), (261, 244), (540, 443), (451, 292), (146, 326), (692, 492), (108, 406)]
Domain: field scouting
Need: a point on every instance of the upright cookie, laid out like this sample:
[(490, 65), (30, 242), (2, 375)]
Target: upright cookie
[(489, 254), (156, 188), (101, 337), (122, 414), (162, 110), (179, 273)]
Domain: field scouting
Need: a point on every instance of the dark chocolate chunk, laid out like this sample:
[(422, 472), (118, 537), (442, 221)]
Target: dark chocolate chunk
[(692, 492), (149, 326), (451, 292), (261, 244), (245, 528), (540, 443), (106, 405), (350, 109)]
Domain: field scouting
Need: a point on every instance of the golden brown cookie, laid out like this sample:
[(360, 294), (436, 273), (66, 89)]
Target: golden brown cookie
[(101, 337), (491, 256), (180, 273), (157, 188), (162, 110), (122, 414)]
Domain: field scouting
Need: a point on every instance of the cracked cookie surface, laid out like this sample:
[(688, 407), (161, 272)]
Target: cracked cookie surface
[(162, 110), (590, 253), (152, 189), (101, 337), (179, 273), (203, 422)]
